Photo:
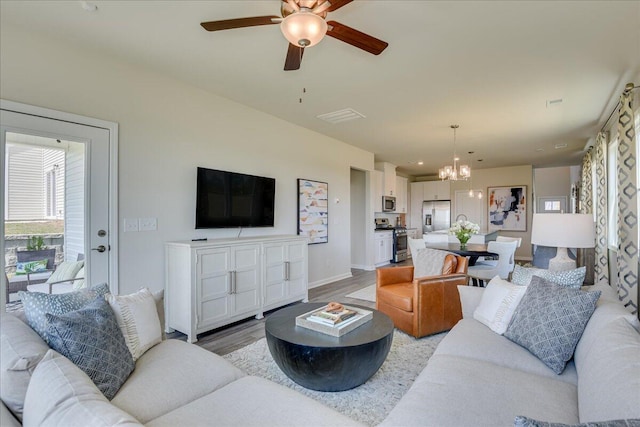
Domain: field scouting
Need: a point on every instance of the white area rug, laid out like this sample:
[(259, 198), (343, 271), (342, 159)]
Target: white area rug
[(369, 403), (368, 293)]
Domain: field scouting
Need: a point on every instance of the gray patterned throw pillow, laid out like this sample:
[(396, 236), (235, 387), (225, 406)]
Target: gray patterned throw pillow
[(37, 304), (92, 340), (569, 278), (521, 421), (550, 320)]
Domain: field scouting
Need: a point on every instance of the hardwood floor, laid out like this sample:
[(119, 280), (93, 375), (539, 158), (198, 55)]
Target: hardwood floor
[(240, 334)]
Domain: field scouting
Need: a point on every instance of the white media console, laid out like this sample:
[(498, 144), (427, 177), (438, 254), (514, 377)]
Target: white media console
[(212, 283)]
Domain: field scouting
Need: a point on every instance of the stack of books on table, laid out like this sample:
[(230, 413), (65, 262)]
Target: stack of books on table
[(334, 322)]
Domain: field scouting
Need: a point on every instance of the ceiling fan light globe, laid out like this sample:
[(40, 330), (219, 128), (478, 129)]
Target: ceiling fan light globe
[(304, 29)]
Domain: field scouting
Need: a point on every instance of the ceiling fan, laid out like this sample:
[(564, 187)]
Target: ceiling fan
[(304, 24)]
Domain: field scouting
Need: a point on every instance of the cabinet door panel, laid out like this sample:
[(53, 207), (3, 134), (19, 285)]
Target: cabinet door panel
[(212, 311), (213, 261), (246, 257), (274, 286), (297, 283), (214, 287)]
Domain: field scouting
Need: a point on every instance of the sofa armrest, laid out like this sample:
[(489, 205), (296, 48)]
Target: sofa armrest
[(391, 275)]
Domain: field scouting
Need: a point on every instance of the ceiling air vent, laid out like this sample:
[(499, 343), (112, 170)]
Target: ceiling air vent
[(341, 116)]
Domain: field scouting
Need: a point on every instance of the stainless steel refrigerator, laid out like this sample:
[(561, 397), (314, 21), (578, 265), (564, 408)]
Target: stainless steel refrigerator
[(436, 215)]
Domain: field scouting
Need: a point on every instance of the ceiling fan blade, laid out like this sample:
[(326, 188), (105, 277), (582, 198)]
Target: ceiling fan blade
[(294, 58), (229, 24), (356, 38), (337, 4)]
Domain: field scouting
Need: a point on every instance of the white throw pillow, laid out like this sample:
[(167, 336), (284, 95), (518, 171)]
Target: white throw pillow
[(79, 284), (138, 320), (498, 303)]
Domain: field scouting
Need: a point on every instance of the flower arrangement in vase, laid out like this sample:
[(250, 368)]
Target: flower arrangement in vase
[(463, 231)]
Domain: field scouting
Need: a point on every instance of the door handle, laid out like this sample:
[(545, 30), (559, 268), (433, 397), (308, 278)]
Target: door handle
[(100, 248)]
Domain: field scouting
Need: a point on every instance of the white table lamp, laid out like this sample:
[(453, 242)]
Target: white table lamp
[(563, 231)]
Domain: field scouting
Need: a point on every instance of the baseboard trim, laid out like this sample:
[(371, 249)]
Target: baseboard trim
[(330, 280)]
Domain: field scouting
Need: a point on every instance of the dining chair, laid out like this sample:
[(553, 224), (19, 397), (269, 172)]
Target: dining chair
[(509, 239), (487, 270)]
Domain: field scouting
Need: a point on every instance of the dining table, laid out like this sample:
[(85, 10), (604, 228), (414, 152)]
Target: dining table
[(471, 250)]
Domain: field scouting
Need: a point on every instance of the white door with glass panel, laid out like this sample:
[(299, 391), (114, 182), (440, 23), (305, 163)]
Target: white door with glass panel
[(56, 183)]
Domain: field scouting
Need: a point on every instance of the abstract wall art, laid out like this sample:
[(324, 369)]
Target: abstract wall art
[(313, 213)]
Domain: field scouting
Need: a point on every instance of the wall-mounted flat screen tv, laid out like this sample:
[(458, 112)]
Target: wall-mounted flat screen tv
[(229, 199)]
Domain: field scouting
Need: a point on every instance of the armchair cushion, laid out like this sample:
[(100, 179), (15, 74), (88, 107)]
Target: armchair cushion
[(399, 295), (65, 271), (430, 262)]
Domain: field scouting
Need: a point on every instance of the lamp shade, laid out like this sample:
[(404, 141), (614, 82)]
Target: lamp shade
[(303, 29), (563, 230)]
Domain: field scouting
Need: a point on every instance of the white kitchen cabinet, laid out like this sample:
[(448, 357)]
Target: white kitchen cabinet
[(401, 194), (285, 272), (389, 178), (383, 242), (437, 190), (213, 283)]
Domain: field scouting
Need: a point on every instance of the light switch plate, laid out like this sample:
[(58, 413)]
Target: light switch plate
[(130, 225), (148, 224)]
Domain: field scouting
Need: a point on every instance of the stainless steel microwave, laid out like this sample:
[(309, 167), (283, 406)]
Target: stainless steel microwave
[(388, 204)]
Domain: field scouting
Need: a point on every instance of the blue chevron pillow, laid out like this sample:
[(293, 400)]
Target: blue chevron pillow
[(92, 340)]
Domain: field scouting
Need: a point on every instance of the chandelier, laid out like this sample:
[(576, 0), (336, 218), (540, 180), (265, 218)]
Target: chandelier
[(452, 173)]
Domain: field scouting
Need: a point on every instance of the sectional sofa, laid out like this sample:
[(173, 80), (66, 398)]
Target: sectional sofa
[(479, 378), (173, 384), (475, 378)]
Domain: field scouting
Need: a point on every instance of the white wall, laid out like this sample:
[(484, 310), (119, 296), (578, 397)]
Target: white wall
[(167, 129)]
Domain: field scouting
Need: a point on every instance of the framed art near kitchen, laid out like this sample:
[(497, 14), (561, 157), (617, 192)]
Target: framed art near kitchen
[(313, 213), (507, 208)]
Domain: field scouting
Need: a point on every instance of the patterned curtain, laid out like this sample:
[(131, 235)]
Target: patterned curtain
[(627, 206), (586, 195), (600, 196)]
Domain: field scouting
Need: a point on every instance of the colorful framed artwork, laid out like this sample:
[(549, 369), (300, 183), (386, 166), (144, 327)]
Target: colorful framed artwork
[(313, 213), (507, 208)]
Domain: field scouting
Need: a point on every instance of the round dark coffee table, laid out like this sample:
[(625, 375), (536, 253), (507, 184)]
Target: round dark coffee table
[(323, 362)]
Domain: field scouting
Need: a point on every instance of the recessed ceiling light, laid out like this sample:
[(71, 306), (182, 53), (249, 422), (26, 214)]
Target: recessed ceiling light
[(558, 146), (421, 163)]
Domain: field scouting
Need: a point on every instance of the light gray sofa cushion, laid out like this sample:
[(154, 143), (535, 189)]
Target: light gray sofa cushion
[(253, 401), (550, 320), (21, 349), (609, 386), (60, 394), (473, 340), (170, 375), (458, 391), (7, 419)]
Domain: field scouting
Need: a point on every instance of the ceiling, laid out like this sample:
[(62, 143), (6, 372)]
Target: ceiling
[(489, 66)]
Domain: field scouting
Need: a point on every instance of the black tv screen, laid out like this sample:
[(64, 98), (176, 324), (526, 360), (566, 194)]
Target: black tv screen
[(229, 199)]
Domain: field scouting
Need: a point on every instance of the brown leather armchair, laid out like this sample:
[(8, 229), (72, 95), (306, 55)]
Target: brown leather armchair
[(424, 305)]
